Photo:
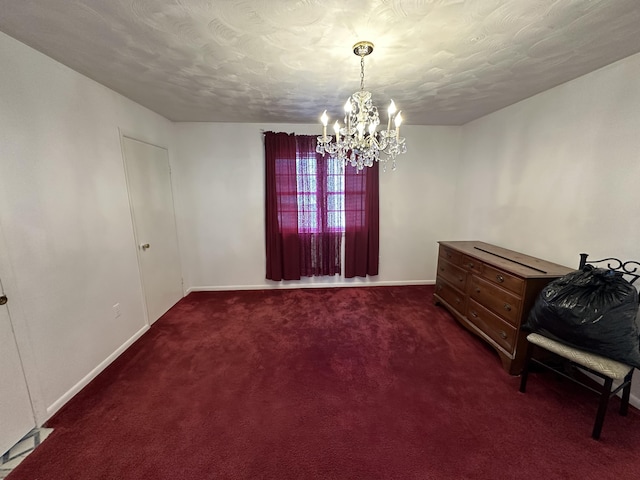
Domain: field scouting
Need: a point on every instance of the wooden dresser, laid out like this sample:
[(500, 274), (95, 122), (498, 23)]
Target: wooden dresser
[(490, 290)]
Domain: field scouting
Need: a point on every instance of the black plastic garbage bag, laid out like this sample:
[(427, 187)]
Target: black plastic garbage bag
[(593, 309)]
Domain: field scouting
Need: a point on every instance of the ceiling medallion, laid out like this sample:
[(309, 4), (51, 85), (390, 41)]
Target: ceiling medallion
[(357, 141)]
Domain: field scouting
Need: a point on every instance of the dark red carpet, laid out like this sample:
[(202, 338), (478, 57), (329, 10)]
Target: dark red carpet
[(348, 383)]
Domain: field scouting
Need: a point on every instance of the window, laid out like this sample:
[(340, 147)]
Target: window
[(320, 194), (311, 202)]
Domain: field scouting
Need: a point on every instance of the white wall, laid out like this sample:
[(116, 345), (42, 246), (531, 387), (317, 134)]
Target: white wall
[(66, 221), (220, 205), (558, 174)]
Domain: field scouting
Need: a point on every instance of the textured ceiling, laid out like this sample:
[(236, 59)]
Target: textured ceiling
[(444, 62)]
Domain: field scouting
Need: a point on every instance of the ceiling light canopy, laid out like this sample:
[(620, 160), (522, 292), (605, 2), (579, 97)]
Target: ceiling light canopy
[(358, 140)]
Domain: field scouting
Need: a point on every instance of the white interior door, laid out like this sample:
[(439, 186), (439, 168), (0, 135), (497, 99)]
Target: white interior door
[(149, 183), (16, 414)]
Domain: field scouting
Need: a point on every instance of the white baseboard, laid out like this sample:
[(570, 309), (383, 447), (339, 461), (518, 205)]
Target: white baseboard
[(294, 284), (55, 406)]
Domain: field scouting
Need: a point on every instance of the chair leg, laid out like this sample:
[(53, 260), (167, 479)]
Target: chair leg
[(527, 365), (626, 393), (602, 409)]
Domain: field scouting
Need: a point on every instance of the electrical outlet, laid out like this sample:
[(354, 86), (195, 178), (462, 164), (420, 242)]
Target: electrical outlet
[(116, 310)]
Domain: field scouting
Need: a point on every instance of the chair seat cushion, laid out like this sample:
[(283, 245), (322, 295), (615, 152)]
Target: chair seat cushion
[(598, 363)]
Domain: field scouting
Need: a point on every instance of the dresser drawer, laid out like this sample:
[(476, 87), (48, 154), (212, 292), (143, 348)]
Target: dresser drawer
[(493, 326), (456, 276), (502, 278), (500, 301), (473, 265), (450, 295), (450, 255)]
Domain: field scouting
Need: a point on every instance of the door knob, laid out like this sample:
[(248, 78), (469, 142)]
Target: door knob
[(144, 246), (3, 299)]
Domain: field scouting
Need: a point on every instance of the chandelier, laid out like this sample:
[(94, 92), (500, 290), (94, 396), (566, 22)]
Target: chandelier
[(357, 141)]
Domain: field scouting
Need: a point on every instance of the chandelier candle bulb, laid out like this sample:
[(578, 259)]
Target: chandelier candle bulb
[(391, 110), (347, 111), (324, 119), (398, 122), (336, 128)]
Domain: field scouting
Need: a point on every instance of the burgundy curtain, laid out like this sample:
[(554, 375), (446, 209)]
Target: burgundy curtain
[(282, 241), (362, 227), (320, 240), (300, 237)]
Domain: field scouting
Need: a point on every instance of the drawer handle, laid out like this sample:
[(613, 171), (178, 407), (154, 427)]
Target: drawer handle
[(448, 255), (439, 288), (470, 265), (461, 279), (477, 290), (474, 314), (500, 278), (503, 334), (457, 300), (507, 307)]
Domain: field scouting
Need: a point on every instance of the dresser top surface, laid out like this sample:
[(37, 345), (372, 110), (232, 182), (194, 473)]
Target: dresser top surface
[(518, 263)]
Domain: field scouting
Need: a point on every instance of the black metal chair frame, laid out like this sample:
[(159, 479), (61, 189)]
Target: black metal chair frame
[(631, 271)]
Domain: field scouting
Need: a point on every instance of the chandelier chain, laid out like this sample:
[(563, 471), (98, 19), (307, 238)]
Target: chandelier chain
[(361, 73)]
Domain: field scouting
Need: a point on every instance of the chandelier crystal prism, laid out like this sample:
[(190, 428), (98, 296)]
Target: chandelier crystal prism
[(358, 141)]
